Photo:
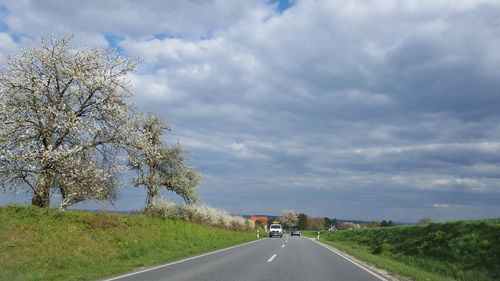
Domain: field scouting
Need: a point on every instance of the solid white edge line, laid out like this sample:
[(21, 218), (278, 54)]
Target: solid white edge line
[(179, 261), (271, 258), (351, 260)]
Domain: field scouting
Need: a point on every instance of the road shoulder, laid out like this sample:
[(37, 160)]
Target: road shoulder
[(146, 269), (377, 272)]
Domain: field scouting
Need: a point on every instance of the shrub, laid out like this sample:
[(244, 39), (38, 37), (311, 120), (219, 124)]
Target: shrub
[(200, 214), (164, 209)]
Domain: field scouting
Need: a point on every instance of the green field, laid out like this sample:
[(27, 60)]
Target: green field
[(46, 244), (462, 250)]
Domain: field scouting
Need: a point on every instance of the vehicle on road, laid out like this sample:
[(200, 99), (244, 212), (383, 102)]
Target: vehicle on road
[(295, 231), (276, 230)]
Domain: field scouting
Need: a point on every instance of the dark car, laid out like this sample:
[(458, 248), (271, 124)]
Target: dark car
[(295, 232)]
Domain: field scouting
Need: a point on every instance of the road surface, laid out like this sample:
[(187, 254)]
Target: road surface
[(280, 259)]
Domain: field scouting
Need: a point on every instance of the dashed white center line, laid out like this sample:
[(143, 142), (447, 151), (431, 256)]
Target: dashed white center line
[(282, 246), (271, 258)]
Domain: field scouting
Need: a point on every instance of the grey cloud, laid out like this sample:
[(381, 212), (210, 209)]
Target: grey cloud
[(360, 109), (129, 18)]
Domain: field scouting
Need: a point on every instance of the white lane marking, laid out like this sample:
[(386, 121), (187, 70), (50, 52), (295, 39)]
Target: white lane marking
[(271, 258), (176, 262), (283, 246), (351, 260)]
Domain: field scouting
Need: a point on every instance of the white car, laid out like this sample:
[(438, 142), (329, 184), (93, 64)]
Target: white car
[(275, 230)]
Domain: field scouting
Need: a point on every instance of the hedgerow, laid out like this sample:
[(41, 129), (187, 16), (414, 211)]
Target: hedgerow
[(201, 214)]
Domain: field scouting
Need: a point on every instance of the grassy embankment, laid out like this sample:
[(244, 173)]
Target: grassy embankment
[(45, 244), (462, 250)]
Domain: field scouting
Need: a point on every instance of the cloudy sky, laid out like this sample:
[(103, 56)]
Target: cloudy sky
[(356, 109)]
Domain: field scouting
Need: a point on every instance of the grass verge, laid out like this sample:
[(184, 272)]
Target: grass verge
[(46, 244), (463, 250)]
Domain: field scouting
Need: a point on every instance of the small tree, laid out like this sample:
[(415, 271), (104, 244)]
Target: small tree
[(289, 219), (329, 223), (302, 221), (424, 221), (159, 167), (315, 223), (374, 223), (63, 118)]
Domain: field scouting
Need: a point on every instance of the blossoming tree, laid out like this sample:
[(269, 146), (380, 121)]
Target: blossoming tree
[(160, 167), (63, 119)]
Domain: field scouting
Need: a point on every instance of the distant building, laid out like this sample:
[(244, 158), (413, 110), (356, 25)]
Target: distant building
[(264, 220)]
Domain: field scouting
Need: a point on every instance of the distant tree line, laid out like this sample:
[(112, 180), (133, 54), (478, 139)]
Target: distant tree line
[(304, 222)]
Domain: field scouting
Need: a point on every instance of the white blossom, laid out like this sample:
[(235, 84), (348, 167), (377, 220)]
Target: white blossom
[(63, 120), (289, 218), (201, 214)]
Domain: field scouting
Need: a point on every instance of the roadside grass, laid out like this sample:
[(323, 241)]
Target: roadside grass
[(46, 244), (462, 250)]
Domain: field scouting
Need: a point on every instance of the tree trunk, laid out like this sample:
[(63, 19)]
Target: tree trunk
[(64, 199), (149, 200), (152, 192), (41, 195), (41, 198)]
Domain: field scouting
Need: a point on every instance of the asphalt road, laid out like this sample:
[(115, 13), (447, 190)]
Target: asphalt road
[(283, 259)]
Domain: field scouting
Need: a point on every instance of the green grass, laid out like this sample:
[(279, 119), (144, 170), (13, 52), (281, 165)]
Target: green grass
[(462, 250), (45, 244)]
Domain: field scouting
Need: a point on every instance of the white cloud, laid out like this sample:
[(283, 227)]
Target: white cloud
[(152, 87), (7, 42), (446, 206), (8, 46)]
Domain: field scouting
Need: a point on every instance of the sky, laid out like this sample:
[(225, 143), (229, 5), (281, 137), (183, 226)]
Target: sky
[(356, 109)]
